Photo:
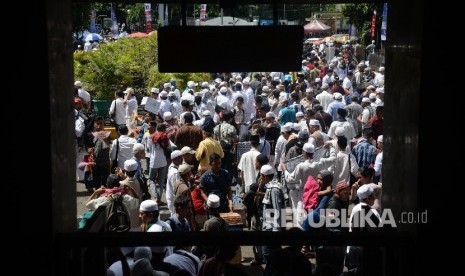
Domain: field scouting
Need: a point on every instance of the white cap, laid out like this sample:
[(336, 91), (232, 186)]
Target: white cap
[(213, 201), (171, 93), (223, 83), (223, 90), (138, 147), (206, 113), (129, 90), (296, 127), (130, 165), (167, 85), (339, 131), (277, 79), (176, 154), (324, 86), (155, 90), (148, 206), (78, 84), (309, 148), (380, 90), (246, 81), (337, 96), (372, 96), (379, 139), (191, 84), (287, 127), (184, 168), (167, 116), (304, 61), (314, 122), (365, 100), (218, 80), (299, 114), (270, 115), (265, 89), (187, 149), (267, 170), (381, 69), (204, 84), (317, 80), (309, 90), (163, 94), (364, 191)]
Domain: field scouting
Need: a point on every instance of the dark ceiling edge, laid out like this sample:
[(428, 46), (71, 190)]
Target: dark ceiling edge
[(241, 2)]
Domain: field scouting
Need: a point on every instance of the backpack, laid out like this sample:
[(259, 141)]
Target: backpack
[(87, 138), (117, 216)]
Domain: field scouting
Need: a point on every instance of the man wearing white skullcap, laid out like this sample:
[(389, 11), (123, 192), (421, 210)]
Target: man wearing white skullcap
[(367, 113), (364, 210), (325, 98), (349, 131), (303, 170), (317, 137)]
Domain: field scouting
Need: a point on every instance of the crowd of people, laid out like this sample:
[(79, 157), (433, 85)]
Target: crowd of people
[(190, 146)]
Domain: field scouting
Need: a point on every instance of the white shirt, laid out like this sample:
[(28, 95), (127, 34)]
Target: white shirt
[(84, 95), (131, 107), (120, 115), (173, 176), (349, 131), (247, 166), (325, 99), (157, 156), (125, 149), (280, 145), (379, 165), (341, 169)]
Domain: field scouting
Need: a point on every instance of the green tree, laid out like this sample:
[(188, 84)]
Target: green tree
[(360, 15)]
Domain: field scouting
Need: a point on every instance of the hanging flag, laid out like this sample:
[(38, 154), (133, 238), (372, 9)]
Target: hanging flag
[(203, 12), (148, 17), (114, 22), (384, 22), (373, 25), (92, 27)]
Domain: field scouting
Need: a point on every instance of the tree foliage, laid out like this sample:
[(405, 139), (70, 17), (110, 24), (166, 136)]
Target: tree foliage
[(360, 15), (131, 62)]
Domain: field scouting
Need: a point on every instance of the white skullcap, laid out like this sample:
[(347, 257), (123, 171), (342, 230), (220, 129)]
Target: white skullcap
[(187, 149), (163, 94), (364, 191), (238, 77), (267, 170), (78, 84), (154, 90), (148, 206), (277, 79), (380, 90), (223, 83), (287, 127), (270, 115), (265, 89), (309, 148), (191, 84), (213, 201), (314, 122), (365, 100), (296, 127), (130, 165), (218, 80), (184, 168), (361, 64), (206, 113), (142, 252), (167, 116), (317, 80), (309, 90), (299, 114), (324, 86), (339, 131), (167, 85), (337, 96), (171, 93), (381, 69), (380, 139), (204, 84), (129, 90), (138, 147), (246, 81), (176, 154), (223, 90), (372, 96)]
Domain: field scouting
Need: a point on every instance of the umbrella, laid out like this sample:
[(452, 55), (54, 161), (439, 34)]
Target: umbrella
[(93, 37), (316, 27), (138, 34)]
